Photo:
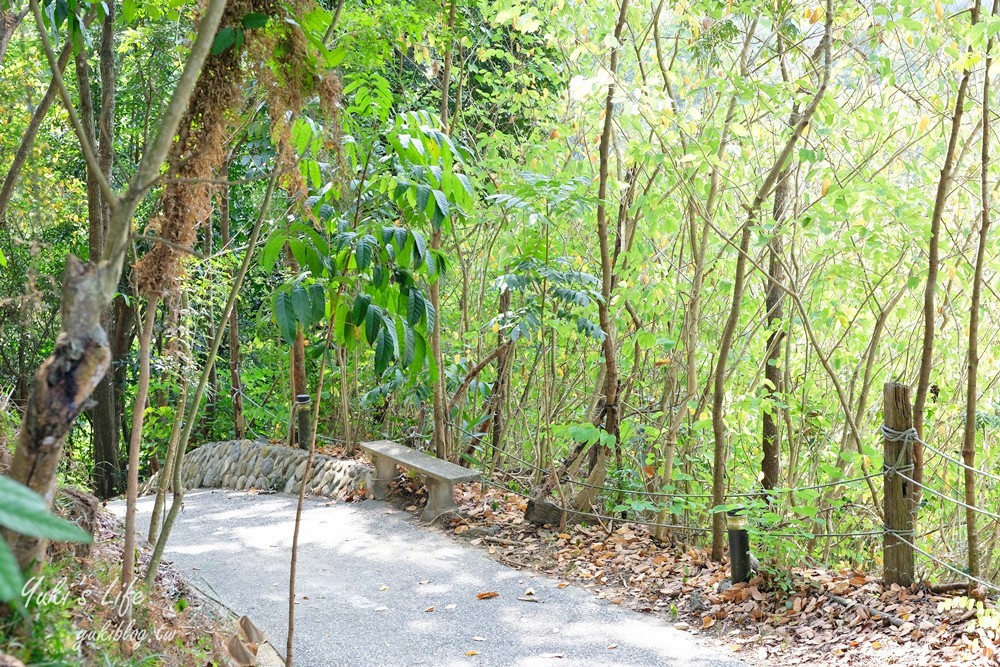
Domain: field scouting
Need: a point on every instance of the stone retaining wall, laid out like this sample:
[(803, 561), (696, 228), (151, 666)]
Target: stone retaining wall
[(249, 464)]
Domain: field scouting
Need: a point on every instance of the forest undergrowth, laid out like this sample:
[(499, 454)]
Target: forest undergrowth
[(798, 616)]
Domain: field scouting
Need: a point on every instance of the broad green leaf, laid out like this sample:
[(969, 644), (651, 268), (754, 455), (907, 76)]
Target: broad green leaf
[(269, 255), (341, 323), (11, 581), (423, 197), (24, 511), (254, 21), (419, 354), (364, 251), (317, 300), (383, 350), (284, 314), (361, 303), (419, 249), (302, 306), (415, 310), (223, 40), (429, 314), (409, 343), (373, 321)]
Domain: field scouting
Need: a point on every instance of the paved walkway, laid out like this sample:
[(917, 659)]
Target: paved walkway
[(367, 576)]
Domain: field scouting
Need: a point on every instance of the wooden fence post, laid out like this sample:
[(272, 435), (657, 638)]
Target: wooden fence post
[(898, 493)]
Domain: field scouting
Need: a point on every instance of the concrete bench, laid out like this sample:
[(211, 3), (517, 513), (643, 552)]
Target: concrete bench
[(440, 476)]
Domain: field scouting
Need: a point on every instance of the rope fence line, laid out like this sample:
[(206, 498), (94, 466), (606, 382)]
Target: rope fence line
[(954, 501), (904, 537), (910, 435), (697, 529), (982, 582), (631, 492), (602, 517), (959, 463), (664, 494)]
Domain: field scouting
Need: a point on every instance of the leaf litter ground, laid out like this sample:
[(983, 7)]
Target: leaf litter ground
[(761, 622)]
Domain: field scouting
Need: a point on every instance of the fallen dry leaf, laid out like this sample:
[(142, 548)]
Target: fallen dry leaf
[(487, 595)]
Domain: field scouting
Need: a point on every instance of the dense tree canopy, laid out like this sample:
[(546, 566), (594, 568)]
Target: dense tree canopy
[(646, 259)]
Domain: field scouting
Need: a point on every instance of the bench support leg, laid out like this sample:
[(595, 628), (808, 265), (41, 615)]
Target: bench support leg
[(385, 472), (440, 499)]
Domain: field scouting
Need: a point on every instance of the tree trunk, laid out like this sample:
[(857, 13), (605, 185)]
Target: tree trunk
[(28, 139), (972, 390), (770, 437), (104, 415), (498, 393), (296, 355), (719, 390), (235, 378), (930, 312), (60, 392), (584, 498), (446, 70), (185, 438), (64, 382), (440, 395), (9, 20), (138, 417), (167, 471), (212, 400)]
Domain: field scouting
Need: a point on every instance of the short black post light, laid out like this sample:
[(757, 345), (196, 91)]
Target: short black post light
[(739, 546), (303, 416)]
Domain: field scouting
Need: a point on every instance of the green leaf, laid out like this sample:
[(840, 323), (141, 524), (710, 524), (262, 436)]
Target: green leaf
[(317, 299), (442, 203), (409, 344), (272, 249), (361, 303), (390, 327), (364, 251), (341, 322), (373, 321), (24, 511), (423, 196), (419, 354), (302, 306), (311, 171), (419, 249), (430, 314), (383, 350), (284, 314), (298, 249), (11, 581), (223, 40), (254, 21), (415, 307), (3, 259)]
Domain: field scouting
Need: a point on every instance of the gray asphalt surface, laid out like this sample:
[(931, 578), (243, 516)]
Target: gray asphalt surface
[(367, 574)]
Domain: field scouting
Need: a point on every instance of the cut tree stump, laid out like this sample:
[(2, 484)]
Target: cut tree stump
[(541, 513)]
